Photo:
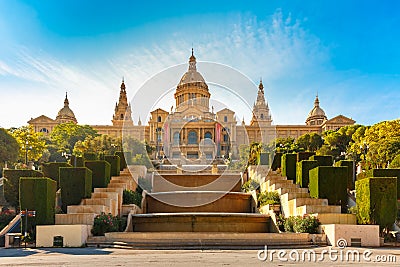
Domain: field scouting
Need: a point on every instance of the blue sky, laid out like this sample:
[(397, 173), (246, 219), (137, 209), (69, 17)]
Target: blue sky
[(347, 51)]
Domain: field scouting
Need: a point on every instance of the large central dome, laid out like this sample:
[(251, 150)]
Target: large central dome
[(192, 75)]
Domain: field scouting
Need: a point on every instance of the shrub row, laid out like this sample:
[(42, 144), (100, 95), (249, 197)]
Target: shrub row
[(302, 172), (52, 170), (101, 174), (115, 163), (289, 166)]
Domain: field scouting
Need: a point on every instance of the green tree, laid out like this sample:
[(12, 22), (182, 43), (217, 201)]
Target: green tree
[(31, 144), (64, 136), (395, 164), (285, 145), (8, 147), (97, 144), (309, 142)]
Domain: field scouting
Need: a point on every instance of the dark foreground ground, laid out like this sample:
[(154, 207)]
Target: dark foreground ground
[(125, 257)]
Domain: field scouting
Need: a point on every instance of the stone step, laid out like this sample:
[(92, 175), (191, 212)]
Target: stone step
[(75, 218), (198, 240), (307, 209), (293, 195), (124, 186), (200, 222), (276, 186), (308, 201), (282, 191), (98, 209), (335, 218)]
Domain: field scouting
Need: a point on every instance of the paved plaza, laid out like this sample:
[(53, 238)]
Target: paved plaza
[(126, 257)]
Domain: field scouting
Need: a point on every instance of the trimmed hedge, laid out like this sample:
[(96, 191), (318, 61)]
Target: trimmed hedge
[(11, 184), (52, 170), (75, 183), (79, 161), (276, 163), (304, 155), (115, 162), (121, 155), (38, 194), (388, 173), (331, 183), (323, 160), (289, 166), (350, 168), (377, 201), (101, 174), (302, 172), (90, 156)]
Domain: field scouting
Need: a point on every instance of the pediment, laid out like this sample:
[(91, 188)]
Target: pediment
[(341, 119), (41, 119)]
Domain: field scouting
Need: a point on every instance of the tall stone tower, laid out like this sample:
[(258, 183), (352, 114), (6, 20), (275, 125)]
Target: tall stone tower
[(261, 114), (123, 112)]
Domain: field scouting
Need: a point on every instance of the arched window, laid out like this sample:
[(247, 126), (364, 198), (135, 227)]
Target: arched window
[(225, 118), (159, 119), (44, 130), (122, 116), (208, 138), (192, 137), (176, 138), (262, 116)]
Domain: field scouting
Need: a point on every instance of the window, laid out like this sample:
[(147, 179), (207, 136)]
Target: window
[(225, 118), (226, 138), (208, 138), (44, 130), (176, 138), (159, 132), (122, 116), (159, 119), (262, 116), (192, 138)]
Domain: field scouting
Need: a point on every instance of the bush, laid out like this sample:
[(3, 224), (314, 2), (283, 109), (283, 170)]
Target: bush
[(5, 218), (123, 163), (90, 156), (75, 184), (350, 167), (105, 223), (132, 197), (330, 183), (388, 173), (144, 160), (115, 162), (298, 224), (101, 173), (276, 163), (11, 184), (304, 155), (289, 166), (302, 172), (323, 160), (377, 201), (250, 185), (38, 194), (52, 170), (266, 198)]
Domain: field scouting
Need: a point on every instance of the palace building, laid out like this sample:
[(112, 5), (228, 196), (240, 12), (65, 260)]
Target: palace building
[(191, 130)]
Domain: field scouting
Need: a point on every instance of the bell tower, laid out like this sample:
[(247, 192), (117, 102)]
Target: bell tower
[(261, 114), (123, 111)]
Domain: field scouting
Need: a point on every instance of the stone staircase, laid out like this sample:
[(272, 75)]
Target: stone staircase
[(296, 201), (107, 200)]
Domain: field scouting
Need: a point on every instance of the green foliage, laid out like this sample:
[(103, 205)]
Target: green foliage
[(264, 158), (304, 155), (298, 224), (105, 223), (254, 153), (38, 194), (52, 170), (90, 156), (289, 166), (285, 145), (276, 163), (395, 164), (11, 184), (77, 161), (9, 147), (30, 142), (310, 142), (302, 172), (250, 185), (140, 159), (265, 198), (64, 136), (101, 144), (101, 173), (323, 160), (330, 183), (75, 183), (132, 197), (144, 184), (121, 155), (114, 161), (350, 169), (388, 173), (376, 201)]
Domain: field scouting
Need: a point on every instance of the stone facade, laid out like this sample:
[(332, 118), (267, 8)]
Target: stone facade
[(194, 132)]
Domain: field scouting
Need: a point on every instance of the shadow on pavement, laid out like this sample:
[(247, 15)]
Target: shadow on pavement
[(22, 252)]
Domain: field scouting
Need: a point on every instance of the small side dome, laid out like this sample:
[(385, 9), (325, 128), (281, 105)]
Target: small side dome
[(317, 115)]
